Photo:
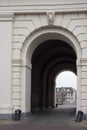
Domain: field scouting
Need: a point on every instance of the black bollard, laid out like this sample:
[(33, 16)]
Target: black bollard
[(56, 105), (17, 115), (79, 116)]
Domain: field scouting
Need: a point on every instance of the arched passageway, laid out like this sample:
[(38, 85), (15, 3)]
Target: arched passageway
[(49, 58)]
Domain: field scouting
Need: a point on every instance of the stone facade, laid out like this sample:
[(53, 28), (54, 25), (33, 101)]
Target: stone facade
[(24, 26)]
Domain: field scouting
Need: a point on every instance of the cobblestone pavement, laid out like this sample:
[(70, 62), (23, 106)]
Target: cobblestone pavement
[(47, 119)]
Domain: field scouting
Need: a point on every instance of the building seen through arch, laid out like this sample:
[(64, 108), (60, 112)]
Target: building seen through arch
[(65, 96), (66, 91)]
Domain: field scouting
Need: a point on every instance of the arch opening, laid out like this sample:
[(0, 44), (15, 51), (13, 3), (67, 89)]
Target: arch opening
[(66, 90), (49, 58), (66, 78)]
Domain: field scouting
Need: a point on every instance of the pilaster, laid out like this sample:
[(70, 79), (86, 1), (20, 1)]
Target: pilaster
[(16, 83), (6, 21), (79, 73), (84, 85)]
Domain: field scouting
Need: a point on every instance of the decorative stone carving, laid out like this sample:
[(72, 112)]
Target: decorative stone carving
[(51, 17)]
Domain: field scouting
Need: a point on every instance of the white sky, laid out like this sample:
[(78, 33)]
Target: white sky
[(66, 79)]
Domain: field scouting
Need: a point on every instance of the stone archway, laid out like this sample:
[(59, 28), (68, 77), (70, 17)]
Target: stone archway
[(30, 28), (32, 43)]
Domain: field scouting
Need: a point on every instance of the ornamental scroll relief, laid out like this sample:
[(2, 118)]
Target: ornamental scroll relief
[(51, 17)]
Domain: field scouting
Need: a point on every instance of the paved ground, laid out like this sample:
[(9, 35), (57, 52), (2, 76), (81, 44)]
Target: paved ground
[(50, 119)]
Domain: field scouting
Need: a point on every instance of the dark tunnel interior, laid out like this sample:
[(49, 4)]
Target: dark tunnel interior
[(49, 59)]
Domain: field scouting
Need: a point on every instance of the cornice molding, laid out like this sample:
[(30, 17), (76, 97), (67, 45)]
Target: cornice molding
[(83, 61), (6, 16), (43, 8)]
